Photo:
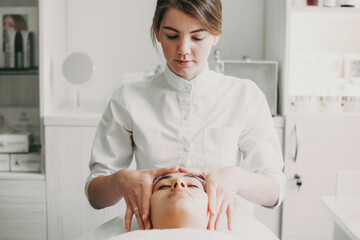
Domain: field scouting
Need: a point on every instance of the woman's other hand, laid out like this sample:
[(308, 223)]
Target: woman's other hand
[(221, 187), (136, 188)]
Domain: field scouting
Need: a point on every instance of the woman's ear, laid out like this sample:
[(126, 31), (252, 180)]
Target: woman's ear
[(216, 39), (157, 35)]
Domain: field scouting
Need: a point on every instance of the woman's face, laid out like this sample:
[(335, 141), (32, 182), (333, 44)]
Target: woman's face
[(8, 23), (185, 43), (179, 201)]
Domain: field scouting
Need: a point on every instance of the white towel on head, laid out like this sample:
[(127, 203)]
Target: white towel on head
[(245, 226), (174, 234)]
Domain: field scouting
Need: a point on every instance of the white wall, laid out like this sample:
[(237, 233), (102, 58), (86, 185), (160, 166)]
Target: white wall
[(243, 29), (116, 34)]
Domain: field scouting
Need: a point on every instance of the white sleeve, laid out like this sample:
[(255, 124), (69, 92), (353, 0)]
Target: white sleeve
[(112, 148), (259, 142)]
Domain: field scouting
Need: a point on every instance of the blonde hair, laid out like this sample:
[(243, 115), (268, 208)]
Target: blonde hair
[(207, 12)]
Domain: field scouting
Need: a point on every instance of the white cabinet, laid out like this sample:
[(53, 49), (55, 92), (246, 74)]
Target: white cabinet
[(316, 146), (22, 194), (22, 207), (312, 45), (69, 214)]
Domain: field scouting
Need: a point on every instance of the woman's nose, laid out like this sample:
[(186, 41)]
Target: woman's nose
[(184, 47), (178, 184)]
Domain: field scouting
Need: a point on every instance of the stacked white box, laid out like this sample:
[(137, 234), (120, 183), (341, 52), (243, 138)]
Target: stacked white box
[(4, 162), (29, 162), (14, 142)]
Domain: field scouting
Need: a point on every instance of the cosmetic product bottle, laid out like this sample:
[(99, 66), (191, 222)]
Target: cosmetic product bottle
[(329, 3), (19, 52), (31, 47), (347, 3), (10, 48), (312, 2), (26, 48)]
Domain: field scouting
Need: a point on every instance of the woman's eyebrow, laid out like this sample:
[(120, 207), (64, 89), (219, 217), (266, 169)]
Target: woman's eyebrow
[(157, 180), (177, 31), (192, 176)]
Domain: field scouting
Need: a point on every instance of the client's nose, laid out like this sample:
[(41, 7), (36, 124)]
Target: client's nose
[(178, 184)]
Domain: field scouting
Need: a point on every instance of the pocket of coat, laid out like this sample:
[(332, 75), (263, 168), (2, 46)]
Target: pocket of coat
[(220, 146)]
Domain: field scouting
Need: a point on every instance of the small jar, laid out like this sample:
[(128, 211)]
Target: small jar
[(350, 104), (348, 3), (329, 3), (302, 103), (329, 104), (312, 2)]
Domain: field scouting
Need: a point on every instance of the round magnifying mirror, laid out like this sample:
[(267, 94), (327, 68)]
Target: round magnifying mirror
[(78, 69)]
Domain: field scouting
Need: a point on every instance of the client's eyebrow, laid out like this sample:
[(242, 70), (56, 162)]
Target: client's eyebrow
[(169, 176)]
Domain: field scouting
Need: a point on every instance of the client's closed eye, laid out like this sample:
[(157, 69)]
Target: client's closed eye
[(191, 185), (164, 186)]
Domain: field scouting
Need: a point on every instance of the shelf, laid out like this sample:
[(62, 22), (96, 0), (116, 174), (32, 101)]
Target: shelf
[(21, 176), (326, 9), (332, 10), (10, 71)]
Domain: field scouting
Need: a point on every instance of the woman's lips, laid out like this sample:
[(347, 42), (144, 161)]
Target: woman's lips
[(183, 62), (177, 192)]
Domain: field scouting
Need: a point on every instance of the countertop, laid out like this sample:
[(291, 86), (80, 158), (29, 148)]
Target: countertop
[(346, 212)]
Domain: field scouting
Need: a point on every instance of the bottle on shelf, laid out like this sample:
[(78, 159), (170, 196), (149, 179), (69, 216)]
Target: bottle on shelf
[(347, 3), (312, 2), (329, 3)]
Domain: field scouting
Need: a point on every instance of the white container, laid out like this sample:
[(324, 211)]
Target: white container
[(305, 104), (29, 162), (9, 39), (350, 104), (329, 3), (14, 142), (4, 162), (329, 104), (348, 3)]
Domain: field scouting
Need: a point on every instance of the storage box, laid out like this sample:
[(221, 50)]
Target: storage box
[(29, 162), (14, 142), (4, 162), (17, 119)]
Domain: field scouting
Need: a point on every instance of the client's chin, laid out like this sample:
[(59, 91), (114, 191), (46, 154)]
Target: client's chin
[(180, 215)]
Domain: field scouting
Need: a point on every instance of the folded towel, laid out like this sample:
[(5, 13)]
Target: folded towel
[(174, 234)]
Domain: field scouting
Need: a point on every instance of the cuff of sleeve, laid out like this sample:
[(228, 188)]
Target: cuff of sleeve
[(281, 180), (89, 179)]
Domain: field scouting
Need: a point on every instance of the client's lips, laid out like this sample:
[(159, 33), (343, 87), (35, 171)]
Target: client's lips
[(179, 192)]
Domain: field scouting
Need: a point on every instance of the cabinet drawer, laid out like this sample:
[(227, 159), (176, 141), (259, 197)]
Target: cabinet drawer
[(22, 209)]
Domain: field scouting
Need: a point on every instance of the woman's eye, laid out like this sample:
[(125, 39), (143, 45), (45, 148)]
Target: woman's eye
[(172, 36), (197, 39), (163, 186), (193, 186)]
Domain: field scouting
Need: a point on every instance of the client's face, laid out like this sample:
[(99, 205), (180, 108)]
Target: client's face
[(179, 201)]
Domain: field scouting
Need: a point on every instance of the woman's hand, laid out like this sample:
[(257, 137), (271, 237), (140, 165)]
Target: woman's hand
[(136, 188), (221, 187)]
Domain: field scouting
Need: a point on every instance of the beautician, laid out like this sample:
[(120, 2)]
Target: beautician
[(210, 125)]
